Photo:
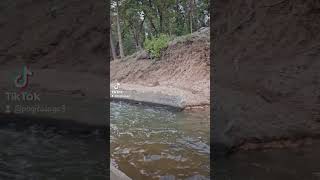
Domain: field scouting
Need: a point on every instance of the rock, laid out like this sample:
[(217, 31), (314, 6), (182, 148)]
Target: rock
[(153, 84), (152, 158), (142, 55)]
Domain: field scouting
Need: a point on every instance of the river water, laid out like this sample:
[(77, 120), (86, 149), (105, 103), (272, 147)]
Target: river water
[(39, 153), (159, 143)]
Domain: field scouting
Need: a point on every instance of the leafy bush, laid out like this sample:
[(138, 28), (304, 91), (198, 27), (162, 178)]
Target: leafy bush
[(155, 45)]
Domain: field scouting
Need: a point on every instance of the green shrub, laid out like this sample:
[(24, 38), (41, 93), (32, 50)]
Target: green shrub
[(155, 45)]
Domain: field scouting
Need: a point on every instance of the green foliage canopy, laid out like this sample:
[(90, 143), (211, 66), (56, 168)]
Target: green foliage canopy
[(144, 21)]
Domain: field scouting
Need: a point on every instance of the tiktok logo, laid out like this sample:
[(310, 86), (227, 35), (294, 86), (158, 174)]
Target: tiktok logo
[(116, 86), (22, 80)]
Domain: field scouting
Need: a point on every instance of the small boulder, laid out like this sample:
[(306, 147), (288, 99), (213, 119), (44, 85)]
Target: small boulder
[(142, 55)]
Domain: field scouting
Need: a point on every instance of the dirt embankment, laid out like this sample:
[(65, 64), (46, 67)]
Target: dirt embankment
[(182, 71), (63, 42), (62, 35), (266, 71)]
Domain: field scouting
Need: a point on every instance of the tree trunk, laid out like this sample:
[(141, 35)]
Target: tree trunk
[(177, 17), (119, 32), (113, 50), (138, 37), (152, 25), (160, 20), (191, 14), (135, 34), (150, 19)]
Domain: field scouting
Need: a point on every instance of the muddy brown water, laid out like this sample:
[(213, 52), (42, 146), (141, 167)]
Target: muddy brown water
[(159, 143)]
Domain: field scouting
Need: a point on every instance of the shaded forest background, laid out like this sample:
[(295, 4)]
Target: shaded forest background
[(133, 22)]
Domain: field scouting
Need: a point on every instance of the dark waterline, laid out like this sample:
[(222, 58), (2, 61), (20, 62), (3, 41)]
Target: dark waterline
[(146, 104)]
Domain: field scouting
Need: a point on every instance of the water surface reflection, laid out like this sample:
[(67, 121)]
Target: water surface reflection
[(158, 143)]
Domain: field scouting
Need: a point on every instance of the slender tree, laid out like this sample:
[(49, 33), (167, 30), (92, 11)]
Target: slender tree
[(191, 14), (119, 31), (113, 50)]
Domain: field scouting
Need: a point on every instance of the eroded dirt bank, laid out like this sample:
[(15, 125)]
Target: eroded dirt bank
[(60, 35), (63, 42), (266, 71), (182, 72), (65, 46)]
